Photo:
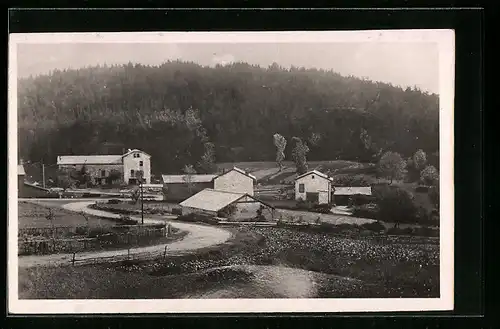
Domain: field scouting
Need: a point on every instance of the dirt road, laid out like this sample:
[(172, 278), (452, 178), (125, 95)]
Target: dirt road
[(199, 236)]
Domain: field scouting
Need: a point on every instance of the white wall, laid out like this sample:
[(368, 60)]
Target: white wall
[(315, 184), (234, 181), (129, 163)]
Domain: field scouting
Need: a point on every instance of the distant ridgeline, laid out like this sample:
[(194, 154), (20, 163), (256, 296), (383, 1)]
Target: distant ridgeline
[(172, 111)]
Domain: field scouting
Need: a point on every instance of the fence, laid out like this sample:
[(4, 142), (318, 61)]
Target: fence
[(42, 244)]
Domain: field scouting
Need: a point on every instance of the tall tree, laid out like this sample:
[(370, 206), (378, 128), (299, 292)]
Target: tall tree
[(419, 160), (300, 155), (207, 163), (280, 143), (189, 171), (392, 166)]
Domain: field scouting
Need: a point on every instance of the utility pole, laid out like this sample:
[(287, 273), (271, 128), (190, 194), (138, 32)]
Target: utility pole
[(142, 204), (43, 174)]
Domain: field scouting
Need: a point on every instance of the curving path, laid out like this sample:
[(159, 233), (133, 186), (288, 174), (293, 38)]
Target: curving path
[(199, 236)]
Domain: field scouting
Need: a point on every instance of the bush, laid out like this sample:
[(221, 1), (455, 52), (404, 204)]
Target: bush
[(114, 201), (374, 226), (395, 204), (370, 210), (176, 211)]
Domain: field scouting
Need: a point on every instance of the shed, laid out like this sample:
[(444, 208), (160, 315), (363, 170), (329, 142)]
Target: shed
[(346, 195), (233, 206)]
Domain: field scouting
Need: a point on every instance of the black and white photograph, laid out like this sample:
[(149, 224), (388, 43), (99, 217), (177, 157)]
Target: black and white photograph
[(231, 172)]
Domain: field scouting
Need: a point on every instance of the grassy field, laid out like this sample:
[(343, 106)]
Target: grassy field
[(33, 215), (264, 170), (372, 268)]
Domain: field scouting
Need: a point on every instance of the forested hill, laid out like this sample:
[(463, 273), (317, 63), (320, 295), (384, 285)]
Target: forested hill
[(172, 111)]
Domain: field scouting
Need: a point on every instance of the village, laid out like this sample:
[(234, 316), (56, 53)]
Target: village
[(201, 194), (193, 179)]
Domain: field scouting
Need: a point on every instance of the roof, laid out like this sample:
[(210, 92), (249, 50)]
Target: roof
[(134, 150), (215, 200), (365, 190), (211, 200), (20, 170), (320, 174), (241, 171), (88, 159), (180, 179), (94, 159)]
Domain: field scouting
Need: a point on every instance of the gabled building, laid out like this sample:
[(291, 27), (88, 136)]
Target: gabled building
[(102, 168), (181, 187), (229, 205), (314, 186)]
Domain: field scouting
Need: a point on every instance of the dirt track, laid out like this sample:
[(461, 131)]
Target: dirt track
[(199, 236)]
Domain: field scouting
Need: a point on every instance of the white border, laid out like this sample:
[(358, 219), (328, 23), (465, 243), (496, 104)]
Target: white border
[(445, 39)]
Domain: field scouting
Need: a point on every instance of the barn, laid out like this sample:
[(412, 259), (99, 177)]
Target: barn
[(229, 205), (181, 187)]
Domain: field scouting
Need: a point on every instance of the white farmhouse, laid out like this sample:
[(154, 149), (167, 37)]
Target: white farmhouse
[(100, 167), (313, 186), (236, 181)]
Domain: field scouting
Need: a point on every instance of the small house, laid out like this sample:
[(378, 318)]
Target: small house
[(181, 187), (314, 186), (229, 205), (346, 195), (110, 169)]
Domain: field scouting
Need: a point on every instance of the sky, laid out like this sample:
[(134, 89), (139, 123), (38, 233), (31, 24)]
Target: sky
[(404, 64)]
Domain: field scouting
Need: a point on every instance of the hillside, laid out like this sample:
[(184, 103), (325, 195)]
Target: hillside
[(172, 111)]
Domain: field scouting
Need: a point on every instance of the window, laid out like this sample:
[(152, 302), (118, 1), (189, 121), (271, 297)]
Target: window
[(137, 155), (301, 188), (312, 176), (103, 173), (132, 172), (141, 163)]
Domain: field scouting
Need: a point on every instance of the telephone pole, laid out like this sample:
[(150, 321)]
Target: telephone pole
[(142, 204), (43, 174)]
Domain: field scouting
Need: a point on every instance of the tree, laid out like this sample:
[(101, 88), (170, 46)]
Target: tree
[(299, 155), (64, 180), (188, 177), (395, 205), (429, 176), (392, 166), (207, 163), (280, 143), (419, 160)]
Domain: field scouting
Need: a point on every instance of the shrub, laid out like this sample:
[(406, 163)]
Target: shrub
[(176, 211), (395, 204), (114, 201), (366, 211), (374, 226)]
